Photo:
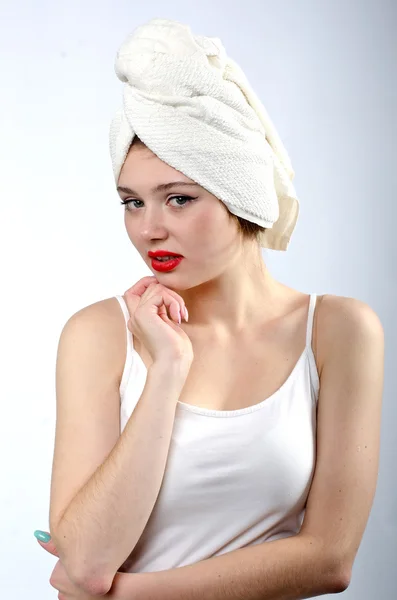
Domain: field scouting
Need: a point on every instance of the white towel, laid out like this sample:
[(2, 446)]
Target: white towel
[(193, 107)]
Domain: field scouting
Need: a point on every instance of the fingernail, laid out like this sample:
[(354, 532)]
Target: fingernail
[(187, 314), (42, 536), (179, 316)]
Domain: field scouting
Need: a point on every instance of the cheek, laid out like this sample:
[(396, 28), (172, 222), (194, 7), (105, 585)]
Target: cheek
[(208, 225), (214, 231)]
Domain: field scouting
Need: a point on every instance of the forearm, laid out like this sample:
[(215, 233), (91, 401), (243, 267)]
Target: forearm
[(106, 518), (292, 568)]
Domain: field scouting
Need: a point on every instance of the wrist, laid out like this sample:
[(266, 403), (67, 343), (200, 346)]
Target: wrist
[(171, 370), (131, 585)]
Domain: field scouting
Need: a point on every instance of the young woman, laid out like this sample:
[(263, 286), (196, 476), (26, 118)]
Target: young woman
[(217, 431)]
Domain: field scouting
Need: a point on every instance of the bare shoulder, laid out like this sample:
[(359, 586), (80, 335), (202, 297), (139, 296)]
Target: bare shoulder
[(107, 310), (342, 321), (105, 320)]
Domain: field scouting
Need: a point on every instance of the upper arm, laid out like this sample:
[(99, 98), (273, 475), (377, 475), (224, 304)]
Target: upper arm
[(87, 403), (348, 429)]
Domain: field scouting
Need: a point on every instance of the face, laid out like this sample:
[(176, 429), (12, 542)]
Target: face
[(185, 219)]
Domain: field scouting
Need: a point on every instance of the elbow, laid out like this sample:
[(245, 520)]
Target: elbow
[(338, 576), (342, 582), (337, 585), (91, 584), (94, 586), (91, 588)]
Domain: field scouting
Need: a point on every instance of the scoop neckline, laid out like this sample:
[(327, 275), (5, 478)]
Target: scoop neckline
[(211, 412)]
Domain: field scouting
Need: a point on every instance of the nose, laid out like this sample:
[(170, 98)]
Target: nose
[(152, 225)]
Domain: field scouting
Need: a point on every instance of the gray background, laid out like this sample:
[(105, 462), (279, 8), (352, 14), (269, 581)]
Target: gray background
[(326, 73)]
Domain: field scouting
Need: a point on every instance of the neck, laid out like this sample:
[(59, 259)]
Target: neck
[(240, 297)]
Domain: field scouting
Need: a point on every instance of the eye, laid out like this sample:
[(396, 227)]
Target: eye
[(127, 201)]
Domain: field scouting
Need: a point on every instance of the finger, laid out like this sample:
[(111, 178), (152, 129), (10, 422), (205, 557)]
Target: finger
[(138, 290), (140, 286), (133, 295), (180, 301), (49, 546), (176, 307), (159, 296)]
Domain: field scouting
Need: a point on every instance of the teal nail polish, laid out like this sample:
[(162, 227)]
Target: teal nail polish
[(42, 536)]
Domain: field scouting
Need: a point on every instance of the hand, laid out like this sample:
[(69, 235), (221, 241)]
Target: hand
[(131, 586), (61, 581), (147, 302)]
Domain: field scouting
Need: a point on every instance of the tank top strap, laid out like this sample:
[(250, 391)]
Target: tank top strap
[(123, 308), (310, 319), (129, 350)]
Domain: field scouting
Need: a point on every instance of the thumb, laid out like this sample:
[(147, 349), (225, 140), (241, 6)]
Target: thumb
[(41, 536)]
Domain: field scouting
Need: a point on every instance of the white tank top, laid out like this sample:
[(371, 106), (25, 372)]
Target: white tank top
[(233, 478)]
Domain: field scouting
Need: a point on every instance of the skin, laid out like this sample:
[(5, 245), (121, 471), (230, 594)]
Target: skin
[(69, 591), (222, 279), (229, 291)]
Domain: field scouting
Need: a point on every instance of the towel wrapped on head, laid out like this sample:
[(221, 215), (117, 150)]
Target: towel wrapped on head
[(193, 107)]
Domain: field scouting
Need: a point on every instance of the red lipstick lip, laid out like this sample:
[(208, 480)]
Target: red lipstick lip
[(167, 265), (162, 253)]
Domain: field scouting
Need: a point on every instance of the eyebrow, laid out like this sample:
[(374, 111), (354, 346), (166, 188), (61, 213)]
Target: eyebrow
[(158, 188)]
